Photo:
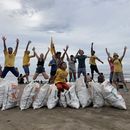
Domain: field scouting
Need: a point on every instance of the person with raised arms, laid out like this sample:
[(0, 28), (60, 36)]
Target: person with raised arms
[(9, 55)]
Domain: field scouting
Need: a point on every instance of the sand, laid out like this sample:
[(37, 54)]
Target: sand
[(106, 118)]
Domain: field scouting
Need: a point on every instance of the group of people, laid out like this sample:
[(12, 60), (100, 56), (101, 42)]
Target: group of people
[(58, 72)]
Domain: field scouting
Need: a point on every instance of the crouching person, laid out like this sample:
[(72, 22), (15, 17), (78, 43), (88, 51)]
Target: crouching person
[(61, 78)]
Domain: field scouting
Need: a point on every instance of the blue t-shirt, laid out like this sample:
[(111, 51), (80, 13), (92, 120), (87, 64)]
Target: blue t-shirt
[(53, 65), (81, 61)]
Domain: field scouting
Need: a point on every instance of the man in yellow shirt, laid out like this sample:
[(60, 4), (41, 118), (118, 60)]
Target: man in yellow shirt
[(92, 62), (118, 71), (10, 59), (26, 60)]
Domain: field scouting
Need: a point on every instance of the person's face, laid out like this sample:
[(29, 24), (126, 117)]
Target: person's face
[(41, 55), (10, 50), (81, 52), (28, 52), (64, 66)]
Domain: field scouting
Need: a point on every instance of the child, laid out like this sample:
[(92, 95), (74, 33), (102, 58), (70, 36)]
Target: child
[(61, 78)]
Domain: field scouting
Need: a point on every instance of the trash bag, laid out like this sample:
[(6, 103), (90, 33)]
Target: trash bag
[(29, 94), (112, 96), (82, 92), (53, 97), (41, 98)]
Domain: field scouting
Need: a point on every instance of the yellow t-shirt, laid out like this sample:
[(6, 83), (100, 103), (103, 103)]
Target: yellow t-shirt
[(92, 60), (9, 59), (117, 65), (61, 75), (26, 59)]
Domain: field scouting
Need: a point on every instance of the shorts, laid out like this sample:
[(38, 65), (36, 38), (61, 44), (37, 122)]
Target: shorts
[(52, 73), (61, 86), (26, 69), (118, 76), (82, 70), (40, 69), (72, 70)]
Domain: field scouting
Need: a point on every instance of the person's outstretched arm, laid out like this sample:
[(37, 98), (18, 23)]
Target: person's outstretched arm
[(64, 52), (31, 56), (92, 48), (17, 44), (67, 56), (125, 48), (46, 53), (99, 60), (4, 42), (35, 53), (27, 45)]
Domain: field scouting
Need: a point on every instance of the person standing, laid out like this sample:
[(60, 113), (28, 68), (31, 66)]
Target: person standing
[(26, 61), (10, 55), (110, 61), (92, 62)]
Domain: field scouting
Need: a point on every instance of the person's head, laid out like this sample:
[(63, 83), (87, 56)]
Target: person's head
[(41, 55), (101, 78), (10, 50), (93, 52), (28, 52), (81, 52), (21, 75), (58, 54), (63, 65), (115, 55), (71, 57)]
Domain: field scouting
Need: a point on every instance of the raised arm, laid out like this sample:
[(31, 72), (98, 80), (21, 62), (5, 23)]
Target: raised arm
[(17, 44), (92, 48), (27, 45), (67, 56), (99, 60), (108, 54), (4, 42), (35, 53), (125, 48), (64, 52), (46, 53), (31, 56)]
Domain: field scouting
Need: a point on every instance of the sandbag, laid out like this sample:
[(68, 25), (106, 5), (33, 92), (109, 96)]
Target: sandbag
[(10, 95), (97, 97), (2, 90), (82, 92), (42, 96), (29, 94), (62, 99), (53, 98), (71, 98), (112, 96)]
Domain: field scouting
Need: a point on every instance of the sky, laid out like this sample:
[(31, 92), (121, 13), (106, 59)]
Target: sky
[(76, 23)]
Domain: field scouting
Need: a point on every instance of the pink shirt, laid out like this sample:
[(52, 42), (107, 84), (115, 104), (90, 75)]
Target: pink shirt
[(111, 65)]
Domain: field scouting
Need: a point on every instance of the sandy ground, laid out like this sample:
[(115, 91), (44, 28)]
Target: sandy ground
[(106, 118)]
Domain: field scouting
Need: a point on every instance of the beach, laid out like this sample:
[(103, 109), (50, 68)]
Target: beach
[(105, 118)]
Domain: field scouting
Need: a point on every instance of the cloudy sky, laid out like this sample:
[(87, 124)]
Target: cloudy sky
[(76, 23)]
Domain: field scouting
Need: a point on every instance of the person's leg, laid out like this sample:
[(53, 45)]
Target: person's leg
[(74, 75), (45, 75), (111, 77), (14, 71), (115, 82), (35, 76), (96, 69), (26, 70), (70, 76), (121, 78), (92, 71), (85, 76), (5, 71), (79, 72), (60, 88)]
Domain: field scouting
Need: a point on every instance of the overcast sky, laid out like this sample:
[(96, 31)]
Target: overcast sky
[(76, 23)]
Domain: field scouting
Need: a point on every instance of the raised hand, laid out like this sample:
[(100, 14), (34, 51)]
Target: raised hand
[(17, 40), (29, 42), (4, 38)]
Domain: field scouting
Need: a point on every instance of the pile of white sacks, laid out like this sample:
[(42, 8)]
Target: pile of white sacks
[(37, 96)]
